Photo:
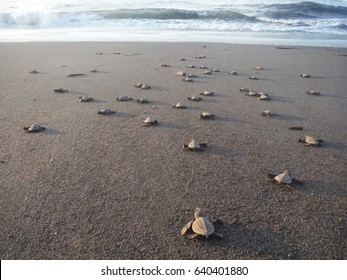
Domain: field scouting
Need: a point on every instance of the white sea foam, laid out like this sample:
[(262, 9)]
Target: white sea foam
[(319, 22)]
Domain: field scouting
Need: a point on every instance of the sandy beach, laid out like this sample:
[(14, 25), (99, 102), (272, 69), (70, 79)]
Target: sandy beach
[(105, 187)]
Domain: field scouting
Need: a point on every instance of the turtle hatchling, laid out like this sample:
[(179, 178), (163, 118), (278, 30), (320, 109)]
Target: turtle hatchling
[(252, 93), (194, 145), (310, 141), (60, 90), (179, 106), (246, 90), (142, 100), (34, 128), (142, 86), (263, 96), (200, 226), (149, 121), (194, 98), (305, 76), (267, 113), (180, 73), (207, 72), (207, 93), (106, 111), (259, 68), (313, 92), (233, 73), (85, 99), (124, 98), (189, 80), (203, 67), (215, 70), (253, 78), (206, 115), (284, 179)]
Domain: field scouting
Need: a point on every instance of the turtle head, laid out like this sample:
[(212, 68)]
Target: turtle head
[(198, 213)]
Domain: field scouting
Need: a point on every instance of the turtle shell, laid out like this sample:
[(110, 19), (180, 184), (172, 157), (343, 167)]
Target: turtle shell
[(207, 93), (284, 177), (258, 68), (311, 140), (105, 111), (180, 73), (34, 128), (149, 120), (179, 106), (264, 96), (203, 226), (194, 144)]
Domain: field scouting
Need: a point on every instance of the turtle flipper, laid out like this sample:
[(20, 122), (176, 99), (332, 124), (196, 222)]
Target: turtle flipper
[(186, 228), (192, 236)]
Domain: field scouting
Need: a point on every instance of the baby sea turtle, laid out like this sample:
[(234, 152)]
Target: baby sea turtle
[(263, 96), (203, 67), (142, 100), (180, 73), (99, 53), (215, 70), (207, 72), (200, 56), (267, 113), (85, 99), (259, 68), (305, 76), (253, 78), (252, 93), (189, 80), (310, 141), (192, 76), (313, 92), (246, 90), (233, 73), (190, 66), (206, 115), (194, 98), (179, 106), (207, 93), (194, 145), (284, 179), (200, 226), (106, 111), (124, 98), (149, 121), (142, 86), (34, 72), (60, 90), (182, 59), (34, 128), (165, 65)]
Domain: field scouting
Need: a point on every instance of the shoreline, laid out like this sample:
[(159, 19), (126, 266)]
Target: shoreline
[(104, 187)]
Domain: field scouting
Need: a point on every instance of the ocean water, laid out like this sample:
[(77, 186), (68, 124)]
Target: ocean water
[(289, 22)]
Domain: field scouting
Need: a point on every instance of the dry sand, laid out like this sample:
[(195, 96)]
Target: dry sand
[(104, 187)]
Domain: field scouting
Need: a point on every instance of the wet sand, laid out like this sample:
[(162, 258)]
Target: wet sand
[(105, 187)]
